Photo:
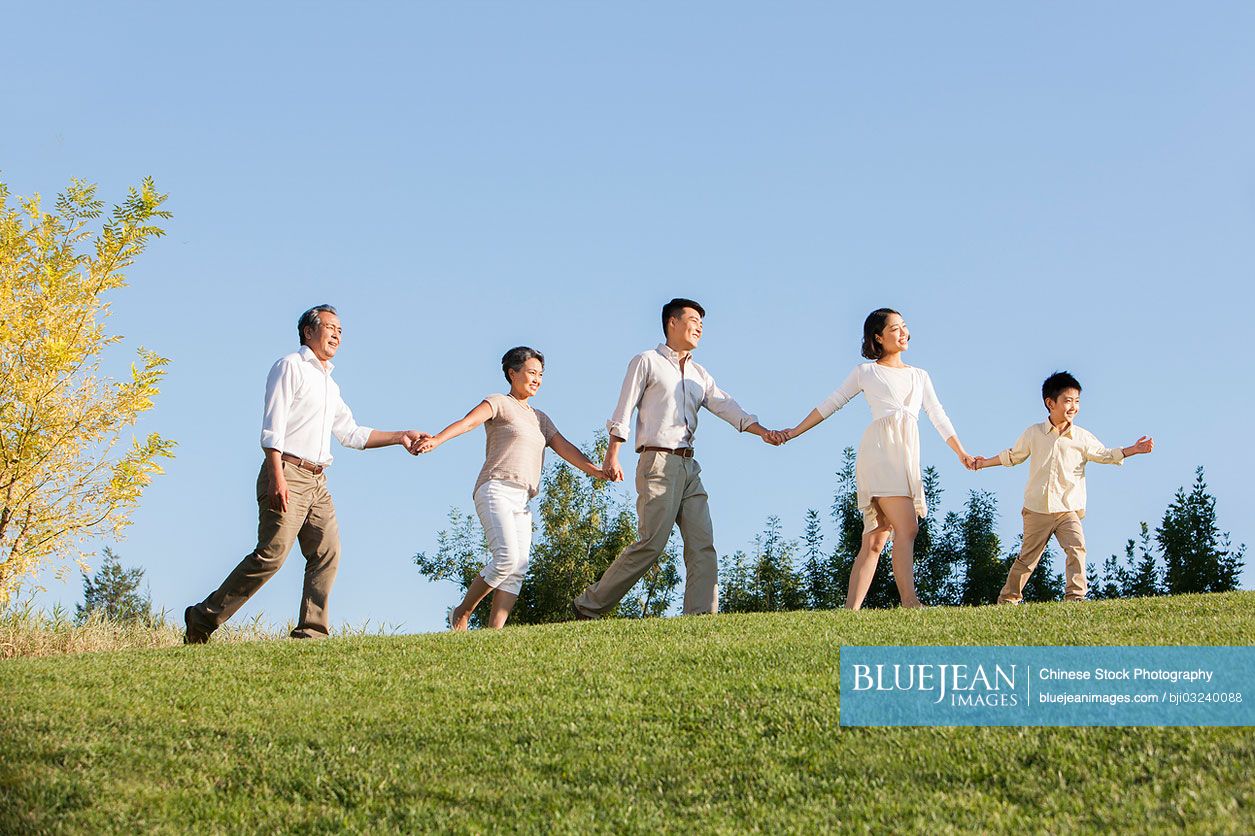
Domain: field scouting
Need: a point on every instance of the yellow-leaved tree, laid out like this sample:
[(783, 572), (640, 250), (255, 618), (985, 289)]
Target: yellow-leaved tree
[(66, 471)]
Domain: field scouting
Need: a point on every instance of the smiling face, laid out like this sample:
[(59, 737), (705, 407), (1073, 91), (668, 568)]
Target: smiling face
[(1063, 409), (525, 382), (324, 340), (684, 330), (894, 337)]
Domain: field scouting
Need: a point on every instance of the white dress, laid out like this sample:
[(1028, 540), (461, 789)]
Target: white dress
[(888, 455)]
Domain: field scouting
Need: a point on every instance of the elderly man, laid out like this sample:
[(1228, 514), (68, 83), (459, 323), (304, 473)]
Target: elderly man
[(666, 388), (303, 410)]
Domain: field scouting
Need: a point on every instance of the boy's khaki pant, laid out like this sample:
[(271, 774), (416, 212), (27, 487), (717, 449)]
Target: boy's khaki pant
[(311, 521), (669, 491), (1066, 528)]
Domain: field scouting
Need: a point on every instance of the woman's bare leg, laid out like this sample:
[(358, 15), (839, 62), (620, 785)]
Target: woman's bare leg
[(864, 568), (461, 614), (502, 604), (901, 513)]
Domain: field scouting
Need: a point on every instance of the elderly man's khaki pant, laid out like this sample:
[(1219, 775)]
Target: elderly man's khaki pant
[(1066, 528), (309, 520), (668, 491)]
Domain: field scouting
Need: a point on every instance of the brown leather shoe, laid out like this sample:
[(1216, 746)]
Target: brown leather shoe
[(192, 634), (580, 615)]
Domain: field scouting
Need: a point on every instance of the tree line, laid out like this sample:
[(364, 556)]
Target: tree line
[(959, 558)]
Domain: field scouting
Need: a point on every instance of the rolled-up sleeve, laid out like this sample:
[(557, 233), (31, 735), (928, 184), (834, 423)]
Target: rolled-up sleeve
[(347, 431), (629, 397), (842, 396), (721, 403), (1017, 454), (1097, 453), (281, 386)]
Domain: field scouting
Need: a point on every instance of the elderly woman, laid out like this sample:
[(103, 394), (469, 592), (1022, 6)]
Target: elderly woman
[(517, 435)]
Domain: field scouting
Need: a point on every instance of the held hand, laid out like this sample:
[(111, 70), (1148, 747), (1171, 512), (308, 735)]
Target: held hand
[(279, 494), (1143, 445), (610, 467), (427, 445), (776, 437), (410, 439), (969, 462)]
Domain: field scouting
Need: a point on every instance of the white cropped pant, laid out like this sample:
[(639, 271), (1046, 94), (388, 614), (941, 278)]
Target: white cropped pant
[(503, 512)]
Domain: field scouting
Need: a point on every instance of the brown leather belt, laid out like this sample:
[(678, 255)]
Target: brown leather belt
[(303, 464), (683, 452)]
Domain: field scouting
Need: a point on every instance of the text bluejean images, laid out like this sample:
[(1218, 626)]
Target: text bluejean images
[(1047, 686)]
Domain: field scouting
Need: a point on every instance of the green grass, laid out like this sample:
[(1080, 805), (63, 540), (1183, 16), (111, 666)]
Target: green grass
[(726, 724)]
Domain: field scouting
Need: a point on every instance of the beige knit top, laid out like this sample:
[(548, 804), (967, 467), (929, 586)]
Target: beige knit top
[(515, 440)]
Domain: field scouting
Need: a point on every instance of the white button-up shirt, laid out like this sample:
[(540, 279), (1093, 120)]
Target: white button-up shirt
[(1056, 477), (304, 409), (667, 398)]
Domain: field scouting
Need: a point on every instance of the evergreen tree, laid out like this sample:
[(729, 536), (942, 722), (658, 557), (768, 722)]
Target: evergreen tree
[(947, 549), (935, 559), (113, 592), (817, 568), (736, 593), (1197, 557), (778, 585), (983, 568), (1144, 579), (1111, 581)]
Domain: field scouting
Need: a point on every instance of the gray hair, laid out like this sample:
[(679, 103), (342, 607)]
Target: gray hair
[(309, 319), (516, 357)]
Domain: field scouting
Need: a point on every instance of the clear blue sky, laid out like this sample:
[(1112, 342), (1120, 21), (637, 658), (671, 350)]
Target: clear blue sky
[(1035, 186)]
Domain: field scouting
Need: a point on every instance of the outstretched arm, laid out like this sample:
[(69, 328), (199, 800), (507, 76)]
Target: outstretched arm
[(481, 413), (576, 457), (812, 419), (409, 439), (1145, 444), (969, 461), (850, 387), (1010, 457)]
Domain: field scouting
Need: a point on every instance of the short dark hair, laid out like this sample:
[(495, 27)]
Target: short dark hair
[(514, 359), (1054, 385), (309, 319), (672, 309), (873, 325)]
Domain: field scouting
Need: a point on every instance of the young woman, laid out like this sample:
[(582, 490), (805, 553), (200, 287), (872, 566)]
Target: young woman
[(517, 435), (887, 474)]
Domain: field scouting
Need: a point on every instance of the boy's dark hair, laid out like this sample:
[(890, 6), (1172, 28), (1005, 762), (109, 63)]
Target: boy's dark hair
[(673, 308), (513, 360), (873, 325), (1056, 383)]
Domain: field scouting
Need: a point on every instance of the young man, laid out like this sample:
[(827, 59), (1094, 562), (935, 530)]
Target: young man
[(666, 388), (303, 409), (1054, 501)]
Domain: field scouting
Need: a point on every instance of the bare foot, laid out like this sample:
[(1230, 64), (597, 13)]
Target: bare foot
[(458, 620), (912, 605)]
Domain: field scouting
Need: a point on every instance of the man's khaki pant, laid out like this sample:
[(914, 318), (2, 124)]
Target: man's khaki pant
[(1066, 528), (310, 520), (668, 491)]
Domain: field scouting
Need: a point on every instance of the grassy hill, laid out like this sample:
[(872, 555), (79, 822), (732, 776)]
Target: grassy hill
[(727, 723)]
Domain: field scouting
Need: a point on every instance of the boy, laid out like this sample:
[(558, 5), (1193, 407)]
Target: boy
[(1054, 500)]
